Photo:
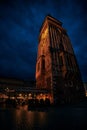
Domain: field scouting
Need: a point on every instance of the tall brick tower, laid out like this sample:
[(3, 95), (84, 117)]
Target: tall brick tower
[(56, 67)]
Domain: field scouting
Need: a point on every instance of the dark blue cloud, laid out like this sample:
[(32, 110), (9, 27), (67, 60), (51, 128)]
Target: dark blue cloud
[(20, 22)]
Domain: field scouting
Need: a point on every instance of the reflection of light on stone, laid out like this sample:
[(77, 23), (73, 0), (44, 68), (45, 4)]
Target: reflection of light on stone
[(44, 34), (18, 115), (42, 117), (30, 117), (25, 107)]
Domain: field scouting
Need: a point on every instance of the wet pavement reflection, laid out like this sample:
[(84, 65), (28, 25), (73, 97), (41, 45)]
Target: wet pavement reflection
[(52, 118)]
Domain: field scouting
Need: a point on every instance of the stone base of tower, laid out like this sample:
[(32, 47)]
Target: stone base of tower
[(67, 91), (63, 91)]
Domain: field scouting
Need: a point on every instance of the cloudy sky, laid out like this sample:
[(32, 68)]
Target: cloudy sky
[(20, 22)]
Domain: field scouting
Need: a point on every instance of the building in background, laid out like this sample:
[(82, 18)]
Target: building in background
[(85, 86), (16, 85), (21, 89), (56, 67)]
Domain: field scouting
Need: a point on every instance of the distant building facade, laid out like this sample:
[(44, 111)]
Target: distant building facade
[(16, 85), (20, 88), (56, 67)]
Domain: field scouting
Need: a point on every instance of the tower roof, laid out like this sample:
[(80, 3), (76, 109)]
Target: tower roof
[(50, 18)]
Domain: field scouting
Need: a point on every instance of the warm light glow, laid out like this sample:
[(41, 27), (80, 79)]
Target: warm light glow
[(12, 97), (20, 95), (44, 96), (41, 94), (29, 94), (44, 34)]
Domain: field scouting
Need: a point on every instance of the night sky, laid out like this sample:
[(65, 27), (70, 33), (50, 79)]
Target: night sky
[(20, 22)]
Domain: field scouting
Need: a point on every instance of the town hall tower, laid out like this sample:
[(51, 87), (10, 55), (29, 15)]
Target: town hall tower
[(56, 67)]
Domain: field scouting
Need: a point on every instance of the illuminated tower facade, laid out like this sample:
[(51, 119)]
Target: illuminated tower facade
[(56, 67)]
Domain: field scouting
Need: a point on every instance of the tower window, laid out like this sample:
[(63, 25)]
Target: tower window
[(61, 47), (61, 60), (69, 61), (43, 64)]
